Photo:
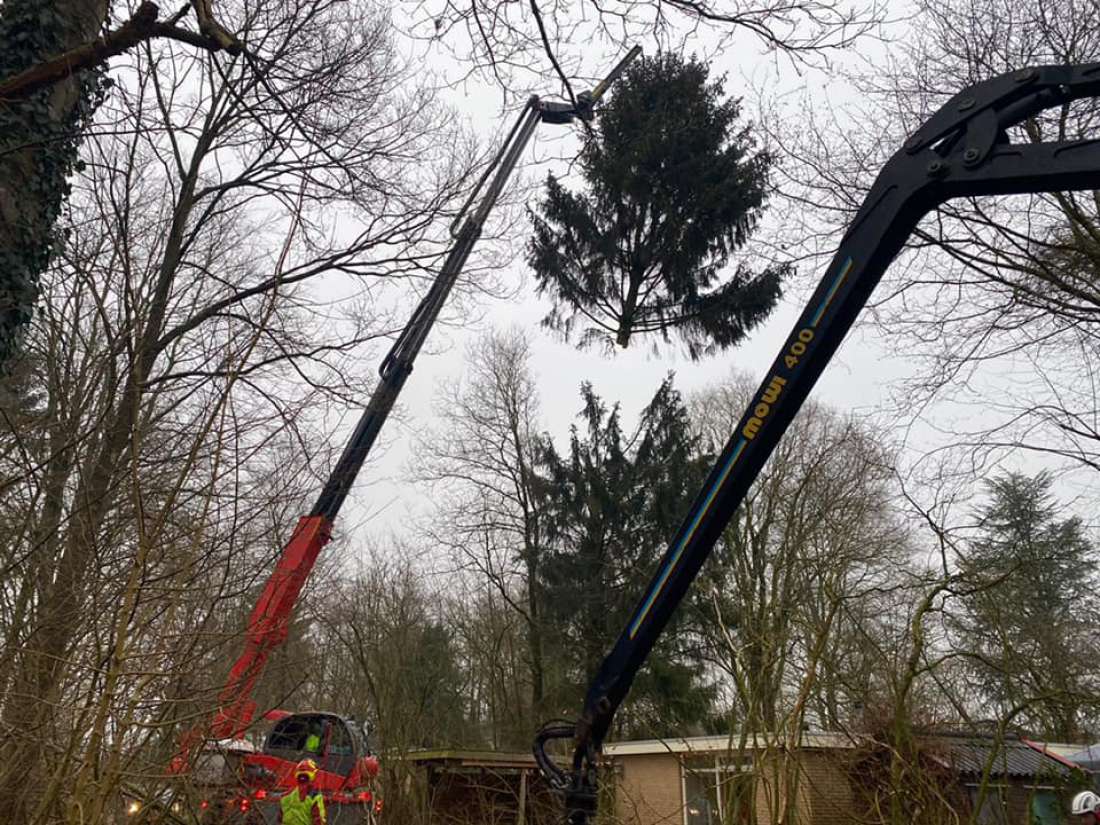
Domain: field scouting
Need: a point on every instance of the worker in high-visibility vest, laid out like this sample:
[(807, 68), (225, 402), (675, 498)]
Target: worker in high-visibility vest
[(303, 804)]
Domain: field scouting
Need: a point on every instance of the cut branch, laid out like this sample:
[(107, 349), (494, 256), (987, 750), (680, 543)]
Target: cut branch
[(141, 27)]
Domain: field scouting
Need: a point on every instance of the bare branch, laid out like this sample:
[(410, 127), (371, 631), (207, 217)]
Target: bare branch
[(141, 27)]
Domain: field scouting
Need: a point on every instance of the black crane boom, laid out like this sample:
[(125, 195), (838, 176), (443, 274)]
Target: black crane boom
[(962, 150)]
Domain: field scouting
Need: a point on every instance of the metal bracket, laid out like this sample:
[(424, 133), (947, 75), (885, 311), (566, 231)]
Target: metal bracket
[(986, 110)]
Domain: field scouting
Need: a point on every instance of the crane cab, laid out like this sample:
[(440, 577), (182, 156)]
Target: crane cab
[(337, 744), (341, 748), (248, 788)]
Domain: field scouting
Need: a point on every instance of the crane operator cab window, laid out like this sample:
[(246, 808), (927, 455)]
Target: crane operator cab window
[(321, 737), (339, 755)]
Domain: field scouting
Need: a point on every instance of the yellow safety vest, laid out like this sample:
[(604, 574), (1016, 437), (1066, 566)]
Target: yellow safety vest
[(298, 811)]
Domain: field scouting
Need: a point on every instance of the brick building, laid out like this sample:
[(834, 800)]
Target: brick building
[(718, 779), (830, 779)]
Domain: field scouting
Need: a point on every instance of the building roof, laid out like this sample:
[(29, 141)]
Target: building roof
[(727, 742), (1012, 757), (1064, 749), (1088, 757), (966, 754), (473, 759)]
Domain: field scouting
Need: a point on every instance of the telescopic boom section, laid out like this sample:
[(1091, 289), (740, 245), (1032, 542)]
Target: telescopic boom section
[(963, 150), (270, 619)]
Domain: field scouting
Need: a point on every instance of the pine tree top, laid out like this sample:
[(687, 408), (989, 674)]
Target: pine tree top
[(673, 187)]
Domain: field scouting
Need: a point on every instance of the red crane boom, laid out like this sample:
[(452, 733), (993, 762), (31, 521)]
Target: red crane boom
[(269, 622)]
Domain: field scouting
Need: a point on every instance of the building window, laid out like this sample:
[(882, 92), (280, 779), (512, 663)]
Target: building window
[(1046, 809), (717, 791), (994, 810)]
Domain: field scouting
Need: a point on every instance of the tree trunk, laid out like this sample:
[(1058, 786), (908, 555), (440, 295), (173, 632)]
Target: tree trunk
[(630, 306), (41, 668), (38, 142)]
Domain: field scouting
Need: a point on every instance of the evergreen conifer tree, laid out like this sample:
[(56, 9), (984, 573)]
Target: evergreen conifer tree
[(1027, 623), (673, 188), (609, 508)]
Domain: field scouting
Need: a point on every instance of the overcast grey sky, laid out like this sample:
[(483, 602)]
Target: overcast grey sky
[(863, 376)]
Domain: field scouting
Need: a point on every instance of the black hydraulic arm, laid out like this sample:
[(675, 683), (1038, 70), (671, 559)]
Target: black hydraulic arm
[(465, 230), (962, 150)]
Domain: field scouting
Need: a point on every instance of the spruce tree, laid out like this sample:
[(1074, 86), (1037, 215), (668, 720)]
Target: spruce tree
[(609, 507), (672, 188), (1028, 619)]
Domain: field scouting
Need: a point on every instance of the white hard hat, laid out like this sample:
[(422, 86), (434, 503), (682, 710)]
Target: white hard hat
[(1085, 802)]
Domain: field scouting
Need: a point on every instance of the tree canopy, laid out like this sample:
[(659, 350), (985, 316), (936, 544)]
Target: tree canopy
[(609, 507), (673, 188), (1025, 624)]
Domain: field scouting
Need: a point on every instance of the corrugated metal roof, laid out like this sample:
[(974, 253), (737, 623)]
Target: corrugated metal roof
[(969, 755)]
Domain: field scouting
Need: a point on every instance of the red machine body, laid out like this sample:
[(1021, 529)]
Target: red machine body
[(269, 625)]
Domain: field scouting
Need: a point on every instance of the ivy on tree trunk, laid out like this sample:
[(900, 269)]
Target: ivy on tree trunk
[(39, 139)]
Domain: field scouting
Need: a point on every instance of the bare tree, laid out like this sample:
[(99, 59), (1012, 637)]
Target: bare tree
[(512, 43), (391, 637), (178, 532), (495, 644), (182, 354), (481, 464), (50, 51), (387, 648), (921, 671), (816, 535), (996, 298)]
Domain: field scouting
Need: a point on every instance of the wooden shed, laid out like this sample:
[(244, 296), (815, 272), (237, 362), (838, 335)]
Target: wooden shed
[(461, 787)]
